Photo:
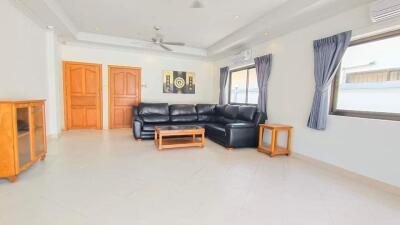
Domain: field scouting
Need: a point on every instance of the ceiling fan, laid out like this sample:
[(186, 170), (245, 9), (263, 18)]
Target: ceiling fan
[(158, 40)]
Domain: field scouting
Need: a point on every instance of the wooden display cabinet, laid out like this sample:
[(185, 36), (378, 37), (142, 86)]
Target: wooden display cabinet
[(22, 136)]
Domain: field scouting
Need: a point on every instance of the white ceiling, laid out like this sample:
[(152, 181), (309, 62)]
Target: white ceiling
[(210, 31), (135, 18)]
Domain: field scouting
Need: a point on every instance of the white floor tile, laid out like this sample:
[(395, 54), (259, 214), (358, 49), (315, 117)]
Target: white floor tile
[(106, 178)]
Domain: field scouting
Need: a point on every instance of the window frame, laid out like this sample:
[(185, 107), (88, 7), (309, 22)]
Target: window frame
[(247, 68), (333, 110)]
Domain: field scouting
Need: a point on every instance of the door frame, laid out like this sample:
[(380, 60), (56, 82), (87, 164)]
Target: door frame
[(100, 107), (109, 67)]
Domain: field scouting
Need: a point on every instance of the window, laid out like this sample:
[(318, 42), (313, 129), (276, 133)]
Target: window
[(243, 87), (367, 83)]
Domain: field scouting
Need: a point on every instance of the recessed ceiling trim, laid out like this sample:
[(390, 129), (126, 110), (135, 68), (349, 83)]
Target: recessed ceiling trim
[(286, 17)]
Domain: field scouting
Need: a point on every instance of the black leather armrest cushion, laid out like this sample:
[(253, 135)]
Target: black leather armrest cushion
[(239, 125), (241, 135), (138, 119)]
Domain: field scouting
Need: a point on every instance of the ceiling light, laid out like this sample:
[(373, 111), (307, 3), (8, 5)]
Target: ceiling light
[(50, 27), (236, 17), (197, 4)]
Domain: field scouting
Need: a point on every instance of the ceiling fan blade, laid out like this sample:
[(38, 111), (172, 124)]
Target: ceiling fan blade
[(165, 47), (197, 4), (146, 44), (173, 43)]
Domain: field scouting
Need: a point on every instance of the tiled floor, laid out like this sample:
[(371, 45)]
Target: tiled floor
[(105, 178)]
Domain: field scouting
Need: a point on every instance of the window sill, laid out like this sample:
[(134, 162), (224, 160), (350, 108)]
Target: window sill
[(367, 115)]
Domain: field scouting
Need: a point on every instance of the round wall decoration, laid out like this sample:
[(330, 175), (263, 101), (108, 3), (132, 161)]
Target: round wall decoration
[(179, 82)]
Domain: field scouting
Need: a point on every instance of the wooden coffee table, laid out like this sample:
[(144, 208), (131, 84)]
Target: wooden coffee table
[(180, 136)]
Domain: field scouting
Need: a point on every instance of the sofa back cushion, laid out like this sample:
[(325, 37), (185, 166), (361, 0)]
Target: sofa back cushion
[(183, 113), (153, 109), (247, 112), (155, 118), (205, 109), (181, 110), (154, 112), (206, 112), (231, 112), (226, 113), (219, 110)]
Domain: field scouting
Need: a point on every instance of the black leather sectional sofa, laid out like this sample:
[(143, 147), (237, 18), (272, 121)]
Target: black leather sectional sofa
[(233, 126)]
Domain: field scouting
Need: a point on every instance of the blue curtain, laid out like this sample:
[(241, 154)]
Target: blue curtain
[(263, 69), (224, 73), (328, 53)]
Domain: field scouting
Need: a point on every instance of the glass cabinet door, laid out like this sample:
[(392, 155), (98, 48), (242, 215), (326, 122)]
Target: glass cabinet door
[(24, 137), (38, 129)]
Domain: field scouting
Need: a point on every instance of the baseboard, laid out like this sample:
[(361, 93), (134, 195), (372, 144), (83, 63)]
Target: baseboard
[(349, 174)]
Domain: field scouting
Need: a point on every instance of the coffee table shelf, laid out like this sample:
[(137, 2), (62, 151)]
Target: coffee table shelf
[(169, 137)]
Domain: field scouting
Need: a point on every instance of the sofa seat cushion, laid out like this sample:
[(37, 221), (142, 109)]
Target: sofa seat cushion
[(184, 118), (207, 118), (182, 110), (215, 129), (155, 118), (224, 120), (151, 126)]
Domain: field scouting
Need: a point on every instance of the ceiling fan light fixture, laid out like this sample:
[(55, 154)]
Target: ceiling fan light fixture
[(197, 4)]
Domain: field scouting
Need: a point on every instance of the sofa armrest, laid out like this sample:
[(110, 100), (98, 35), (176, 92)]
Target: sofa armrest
[(241, 135), (138, 119), (137, 123), (239, 125)]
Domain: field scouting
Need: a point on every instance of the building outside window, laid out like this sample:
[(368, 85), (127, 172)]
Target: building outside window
[(368, 81)]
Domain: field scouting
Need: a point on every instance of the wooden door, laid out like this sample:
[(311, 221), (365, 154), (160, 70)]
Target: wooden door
[(82, 94), (124, 92)]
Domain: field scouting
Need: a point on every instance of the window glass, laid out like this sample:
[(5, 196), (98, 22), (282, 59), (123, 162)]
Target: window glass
[(238, 86), (253, 87), (369, 77)]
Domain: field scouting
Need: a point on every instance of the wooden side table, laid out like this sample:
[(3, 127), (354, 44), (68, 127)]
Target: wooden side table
[(273, 149)]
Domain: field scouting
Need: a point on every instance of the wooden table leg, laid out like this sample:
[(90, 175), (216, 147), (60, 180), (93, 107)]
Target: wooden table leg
[(202, 140), (273, 142), (289, 142), (12, 179), (160, 142), (260, 137)]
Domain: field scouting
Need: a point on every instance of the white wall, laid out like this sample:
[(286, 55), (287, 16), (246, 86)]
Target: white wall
[(152, 65), (368, 147), (23, 58), (22, 55), (54, 84)]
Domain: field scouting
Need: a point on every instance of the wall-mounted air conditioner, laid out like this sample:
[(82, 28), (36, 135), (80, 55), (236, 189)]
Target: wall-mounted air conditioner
[(384, 9), (243, 57)]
